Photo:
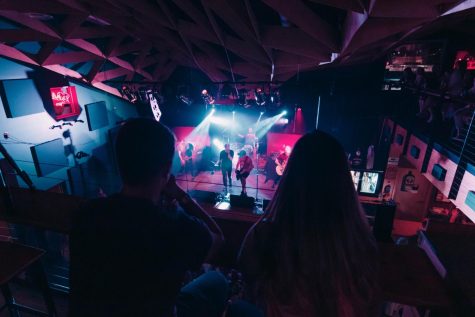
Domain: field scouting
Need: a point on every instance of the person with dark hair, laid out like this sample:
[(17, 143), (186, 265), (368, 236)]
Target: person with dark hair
[(243, 169), (188, 157), (226, 163), (312, 253), (129, 253)]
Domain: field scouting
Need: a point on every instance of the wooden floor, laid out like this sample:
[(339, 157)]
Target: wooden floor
[(213, 182)]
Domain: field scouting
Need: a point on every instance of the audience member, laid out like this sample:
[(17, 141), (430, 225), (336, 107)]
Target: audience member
[(408, 77), (129, 254), (313, 254)]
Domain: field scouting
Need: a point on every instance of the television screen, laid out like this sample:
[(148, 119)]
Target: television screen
[(369, 183), (49, 157), (356, 178), (97, 116), (20, 98)]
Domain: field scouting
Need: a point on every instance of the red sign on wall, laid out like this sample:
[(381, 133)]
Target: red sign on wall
[(65, 102)]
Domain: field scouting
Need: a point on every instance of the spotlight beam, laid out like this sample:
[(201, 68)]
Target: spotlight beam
[(267, 124)]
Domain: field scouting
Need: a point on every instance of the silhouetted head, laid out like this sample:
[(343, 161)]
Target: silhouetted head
[(144, 150), (320, 248)]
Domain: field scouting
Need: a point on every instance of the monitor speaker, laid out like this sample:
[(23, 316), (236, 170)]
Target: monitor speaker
[(203, 196), (242, 201)]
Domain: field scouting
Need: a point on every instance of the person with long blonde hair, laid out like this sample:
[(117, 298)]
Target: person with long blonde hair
[(312, 253)]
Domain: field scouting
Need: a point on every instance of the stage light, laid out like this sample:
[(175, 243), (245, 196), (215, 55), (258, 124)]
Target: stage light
[(299, 109), (284, 112), (260, 97), (207, 98), (262, 112)]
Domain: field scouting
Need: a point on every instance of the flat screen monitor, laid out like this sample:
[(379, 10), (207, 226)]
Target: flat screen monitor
[(49, 157), (97, 116), (370, 183)]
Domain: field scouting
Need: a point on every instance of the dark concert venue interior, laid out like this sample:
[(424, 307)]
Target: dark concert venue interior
[(228, 158)]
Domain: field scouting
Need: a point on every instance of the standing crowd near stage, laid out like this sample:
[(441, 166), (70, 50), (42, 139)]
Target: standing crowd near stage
[(311, 253)]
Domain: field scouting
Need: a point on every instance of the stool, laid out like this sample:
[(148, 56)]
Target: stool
[(14, 259)]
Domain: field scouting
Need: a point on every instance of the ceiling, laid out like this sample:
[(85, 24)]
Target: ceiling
[(228, 40)]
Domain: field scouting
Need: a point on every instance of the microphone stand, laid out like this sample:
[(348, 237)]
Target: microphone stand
[(257, 175)]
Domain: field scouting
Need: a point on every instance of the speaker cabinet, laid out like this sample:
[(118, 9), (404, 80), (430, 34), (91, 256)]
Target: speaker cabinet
[(204, 196), (242, 201)]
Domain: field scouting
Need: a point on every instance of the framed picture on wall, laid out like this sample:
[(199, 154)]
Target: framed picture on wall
[(65, 102)]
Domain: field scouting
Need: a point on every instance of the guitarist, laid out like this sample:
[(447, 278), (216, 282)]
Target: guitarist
[(281, 162), (243, 169), (226, 163)]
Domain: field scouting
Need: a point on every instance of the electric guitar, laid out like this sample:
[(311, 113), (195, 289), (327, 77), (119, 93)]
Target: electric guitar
[(279, 169)]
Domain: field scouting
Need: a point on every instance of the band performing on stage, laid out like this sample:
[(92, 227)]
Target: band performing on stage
[(193, 159)]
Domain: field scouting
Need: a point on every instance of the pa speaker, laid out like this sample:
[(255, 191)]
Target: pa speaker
[(242, 201), (203, 196)]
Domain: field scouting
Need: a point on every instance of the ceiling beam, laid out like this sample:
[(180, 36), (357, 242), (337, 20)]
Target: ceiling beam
[(23, 35), (302, 16), (70, 57), (16, 54), (29, 22)]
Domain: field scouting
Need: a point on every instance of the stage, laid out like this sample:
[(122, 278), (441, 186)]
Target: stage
[(213, 182)]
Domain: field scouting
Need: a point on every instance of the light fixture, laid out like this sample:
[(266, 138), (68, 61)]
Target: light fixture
[(129, 94), (260, 96), (207, 98)]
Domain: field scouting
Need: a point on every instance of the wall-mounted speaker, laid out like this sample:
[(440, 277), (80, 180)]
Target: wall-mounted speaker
[(439, 172), (415, 152)]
